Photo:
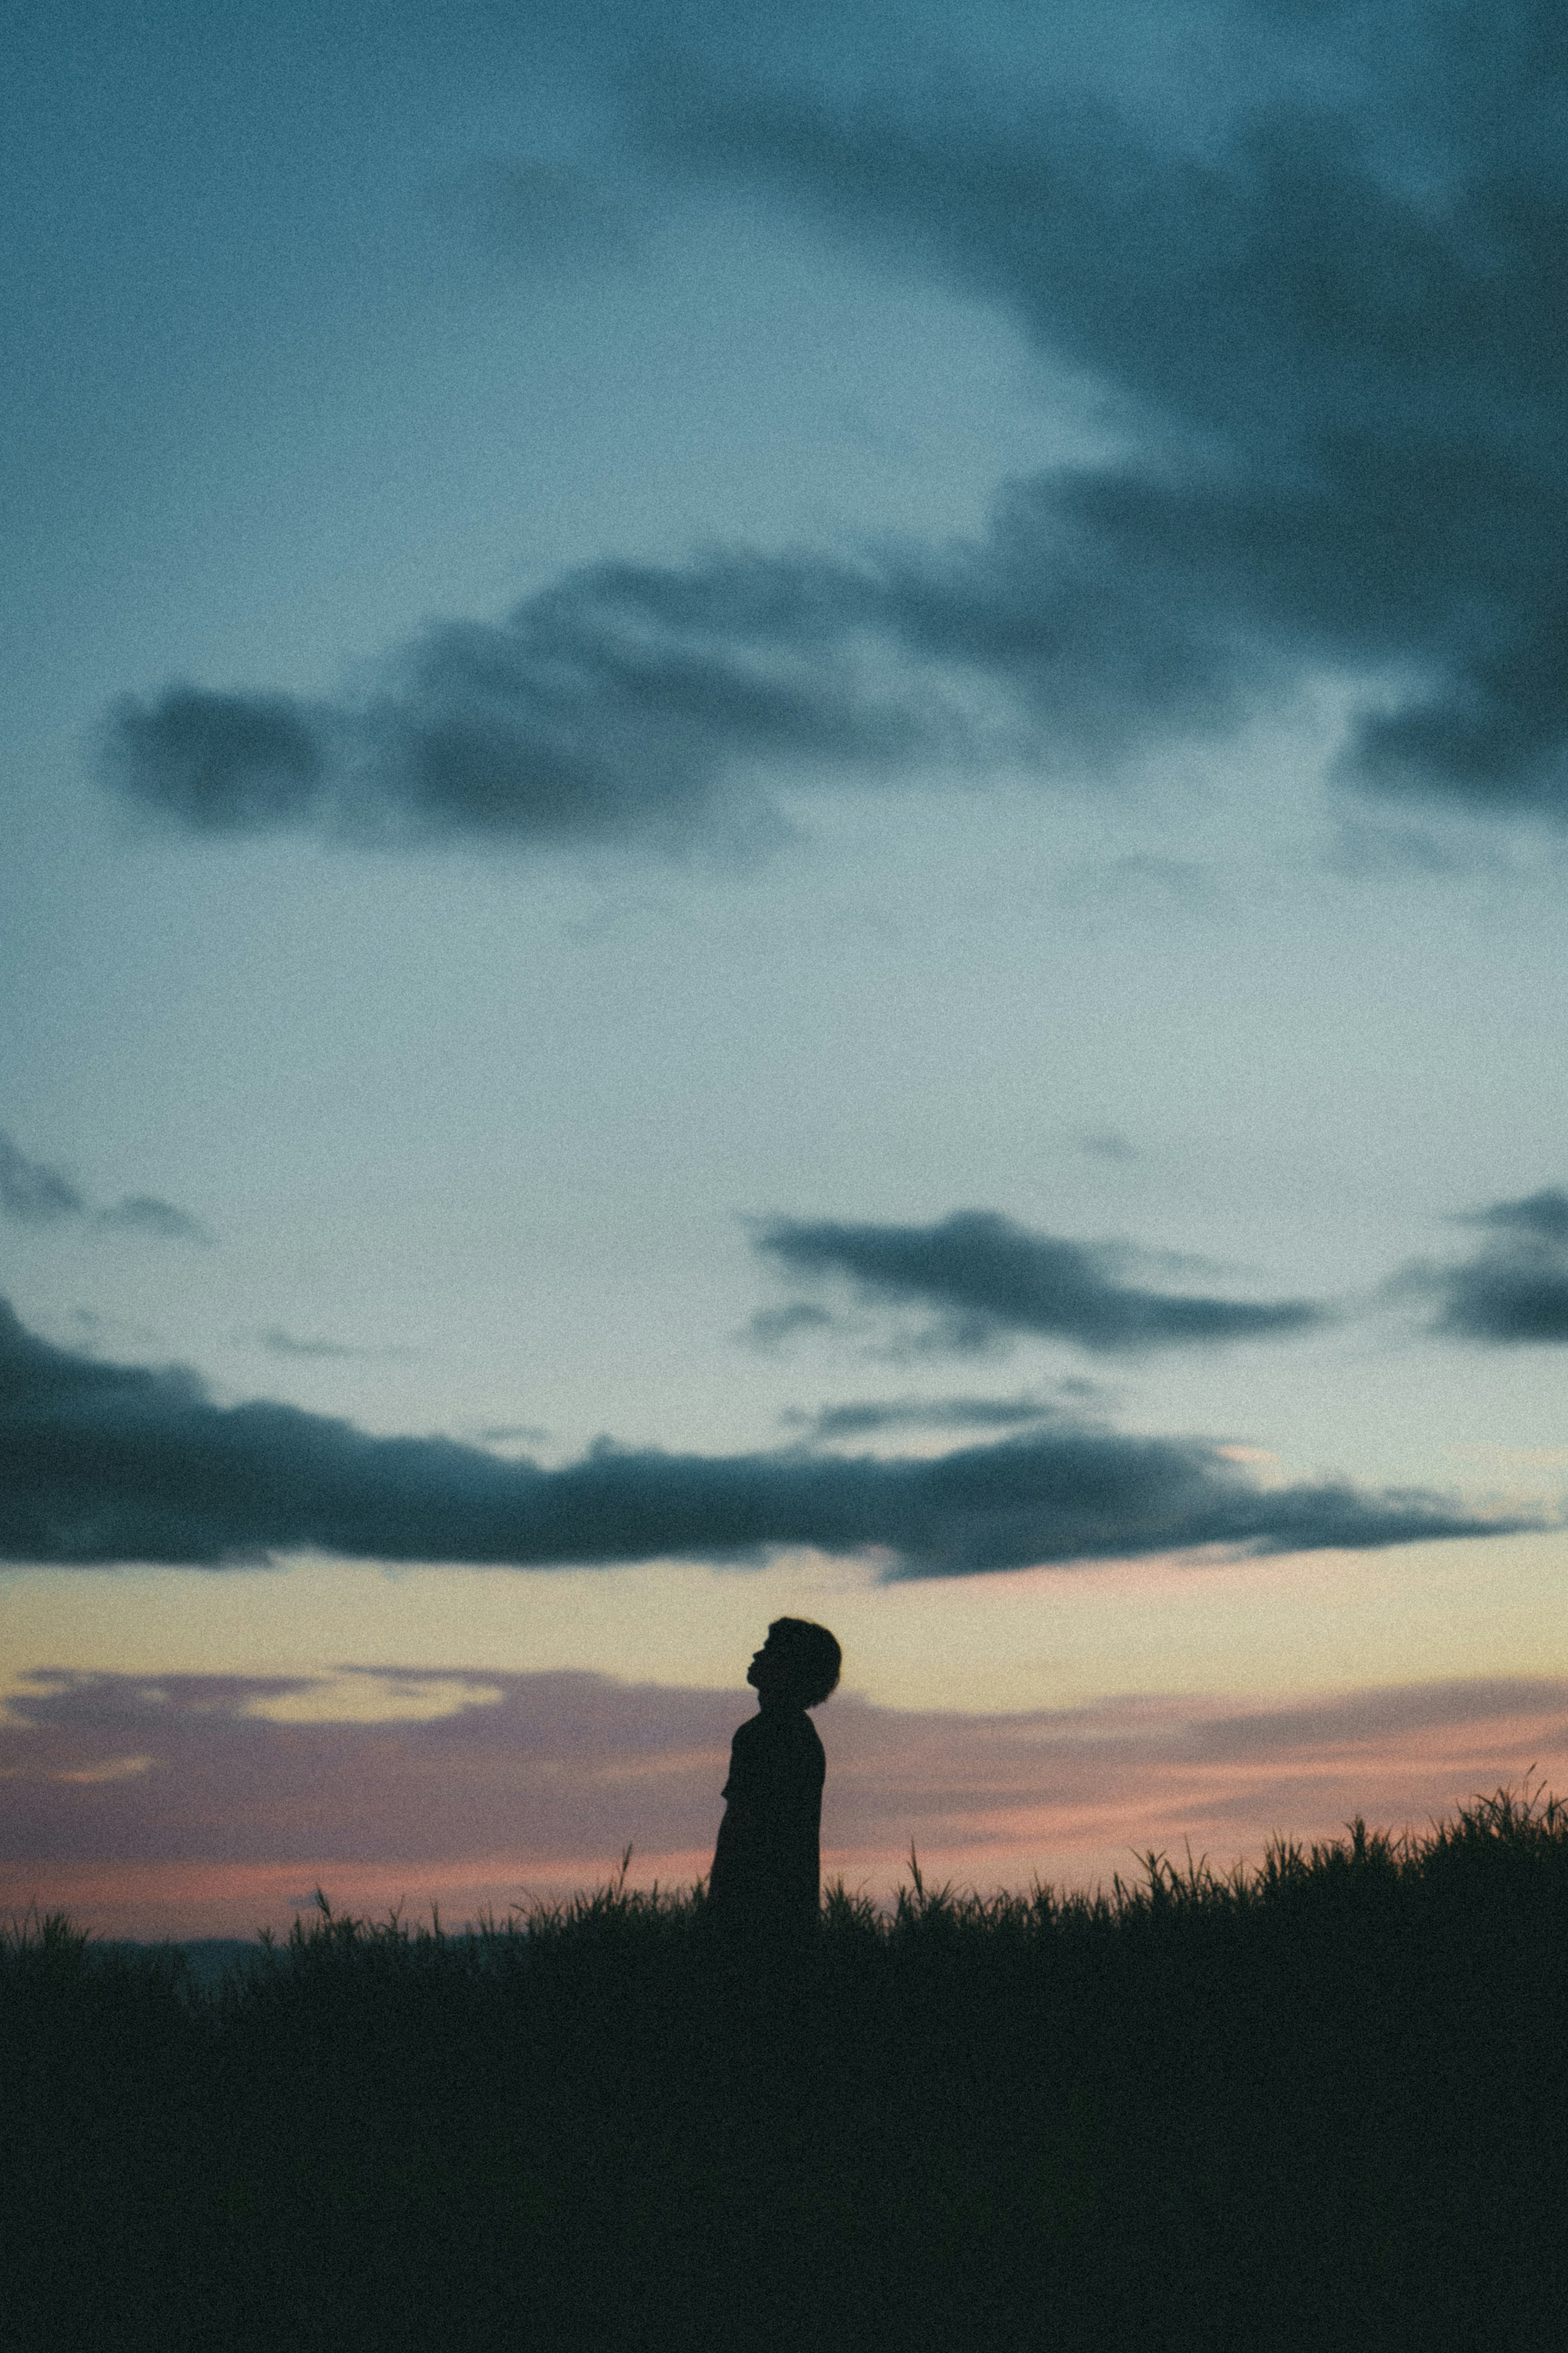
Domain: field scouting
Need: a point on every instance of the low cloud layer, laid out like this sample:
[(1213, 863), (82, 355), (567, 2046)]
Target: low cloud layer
[(984, 1277), (1515, 1290), (1325, 332), (192, 1804), (102, 1462), (32, 1193)]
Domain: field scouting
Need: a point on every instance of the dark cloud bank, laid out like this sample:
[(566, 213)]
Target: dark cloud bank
[(984, 1276), (102, 1462), (1331, 339)]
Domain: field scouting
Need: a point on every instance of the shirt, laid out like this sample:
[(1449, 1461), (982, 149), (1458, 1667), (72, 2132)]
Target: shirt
[(767, 1864)]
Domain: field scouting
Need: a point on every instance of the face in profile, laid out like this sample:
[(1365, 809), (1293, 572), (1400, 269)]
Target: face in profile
[(770, 1673)]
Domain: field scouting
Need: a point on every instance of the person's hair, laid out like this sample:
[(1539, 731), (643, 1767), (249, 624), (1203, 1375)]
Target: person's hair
[(814, 1657)]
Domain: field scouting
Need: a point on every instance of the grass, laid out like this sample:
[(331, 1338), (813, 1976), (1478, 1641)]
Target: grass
[(1323, 2104)]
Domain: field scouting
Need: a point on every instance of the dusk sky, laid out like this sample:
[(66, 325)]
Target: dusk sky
[(787, 831)]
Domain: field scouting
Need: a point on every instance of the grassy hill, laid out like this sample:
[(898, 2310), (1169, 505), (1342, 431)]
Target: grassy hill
[(1320, 2105)]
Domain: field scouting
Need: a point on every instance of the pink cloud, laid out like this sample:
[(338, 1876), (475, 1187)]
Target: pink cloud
[(170, 1806)]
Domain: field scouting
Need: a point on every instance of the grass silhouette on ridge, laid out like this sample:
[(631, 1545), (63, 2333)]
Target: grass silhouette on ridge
[(1321, 2102)]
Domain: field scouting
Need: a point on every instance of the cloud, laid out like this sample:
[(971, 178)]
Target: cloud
[(98, 1327), (279, 1343), (624, 703), (218, 1797), (1106, 1144), (985, 1276), (143, 1213), (1322, 333), (1540, 1219), (1514, 1291), (864, 1419), (771, 1326), (104, 1462), (1325, 328), (34, 1194), (536, 217), (217, 763)]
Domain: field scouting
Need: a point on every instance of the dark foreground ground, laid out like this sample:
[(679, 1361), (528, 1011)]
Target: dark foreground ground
[(1324, 2106)]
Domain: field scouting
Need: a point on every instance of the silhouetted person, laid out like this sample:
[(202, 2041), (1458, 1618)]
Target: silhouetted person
[(764, 1887)]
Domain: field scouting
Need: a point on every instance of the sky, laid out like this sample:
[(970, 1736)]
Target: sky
[(785, 813)]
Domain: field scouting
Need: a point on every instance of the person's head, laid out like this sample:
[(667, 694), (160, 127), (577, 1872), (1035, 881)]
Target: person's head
[(798, 1664)]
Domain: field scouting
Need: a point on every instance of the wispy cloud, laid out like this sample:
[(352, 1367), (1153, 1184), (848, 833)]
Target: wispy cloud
[(866, 1419), (281, 1343), (36, 1194), (111, 1462), (1106, 1144), (536, 217), (144, 1213), (984, 1277), (769, 1326)]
